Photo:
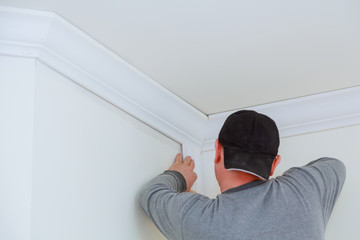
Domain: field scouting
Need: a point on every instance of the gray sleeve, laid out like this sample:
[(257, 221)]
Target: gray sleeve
[(164, 201), (325, 177)]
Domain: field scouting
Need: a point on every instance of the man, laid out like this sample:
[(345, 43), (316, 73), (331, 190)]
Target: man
[(294, 206)]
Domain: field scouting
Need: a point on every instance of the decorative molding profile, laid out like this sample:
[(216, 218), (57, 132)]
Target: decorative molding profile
[(302, 115), (66, 49), (69, 51)]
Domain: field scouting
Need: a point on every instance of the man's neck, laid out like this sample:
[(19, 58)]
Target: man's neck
[(234, 179)]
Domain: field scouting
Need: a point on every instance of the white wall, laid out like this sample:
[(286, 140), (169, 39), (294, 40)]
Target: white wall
[(71, 164), (341, 143), (16, 135)]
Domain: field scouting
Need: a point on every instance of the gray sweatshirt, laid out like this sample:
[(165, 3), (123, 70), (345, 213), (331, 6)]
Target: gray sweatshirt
[(294, 206)]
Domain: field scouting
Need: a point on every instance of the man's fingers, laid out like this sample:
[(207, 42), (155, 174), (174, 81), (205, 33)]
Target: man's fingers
[(192, 164), (178, 158), (187, 160)]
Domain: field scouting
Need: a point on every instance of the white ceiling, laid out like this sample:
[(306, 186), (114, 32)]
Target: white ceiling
[(224, 55)]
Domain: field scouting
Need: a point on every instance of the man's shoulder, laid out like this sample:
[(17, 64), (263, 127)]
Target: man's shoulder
[(327, 168), (321, 174), (321, 165)]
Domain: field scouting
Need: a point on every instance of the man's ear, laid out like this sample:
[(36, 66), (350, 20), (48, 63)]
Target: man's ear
[(218, 148), (275, 163)]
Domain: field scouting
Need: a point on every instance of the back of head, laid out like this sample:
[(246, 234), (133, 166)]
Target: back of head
[(250, 141)]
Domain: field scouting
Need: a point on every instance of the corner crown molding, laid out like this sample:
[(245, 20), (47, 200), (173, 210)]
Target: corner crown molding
[(69, 51), (302, 115)]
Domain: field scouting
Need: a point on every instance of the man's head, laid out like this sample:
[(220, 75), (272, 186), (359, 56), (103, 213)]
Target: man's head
[(250, 142)]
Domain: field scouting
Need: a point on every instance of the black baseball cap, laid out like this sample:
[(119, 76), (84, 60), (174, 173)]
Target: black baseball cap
[(250, 141)]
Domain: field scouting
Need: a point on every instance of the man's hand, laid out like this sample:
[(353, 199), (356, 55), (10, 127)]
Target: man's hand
[(186, 168)]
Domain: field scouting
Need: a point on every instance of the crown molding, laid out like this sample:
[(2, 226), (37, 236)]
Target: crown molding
[(69, 51), (302, 115), (66, 49)]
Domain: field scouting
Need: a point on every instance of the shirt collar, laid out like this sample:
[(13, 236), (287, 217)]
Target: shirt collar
[(245, 186)]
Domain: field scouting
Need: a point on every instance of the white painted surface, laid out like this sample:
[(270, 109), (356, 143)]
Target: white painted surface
[(16, 146), (341, 143), (51, 40), (90, 161), (301, 115), (223, 56), (210, 186), (188, 126), (71, 52), (71, 163)]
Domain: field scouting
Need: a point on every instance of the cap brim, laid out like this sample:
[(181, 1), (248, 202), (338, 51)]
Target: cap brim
[(255, 164)]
